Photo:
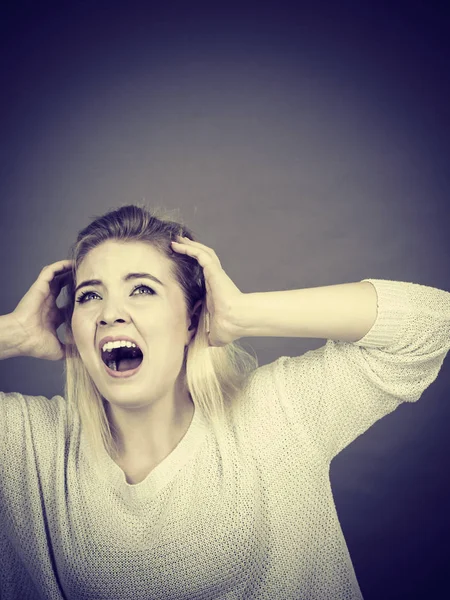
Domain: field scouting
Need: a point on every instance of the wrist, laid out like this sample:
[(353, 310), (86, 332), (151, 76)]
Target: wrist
[(12, 337), (240, 315)]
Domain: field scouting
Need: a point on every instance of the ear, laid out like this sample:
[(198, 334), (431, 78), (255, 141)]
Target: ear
[(195, 316)]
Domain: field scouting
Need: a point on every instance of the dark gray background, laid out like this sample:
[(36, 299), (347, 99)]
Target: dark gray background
[(307, 145)]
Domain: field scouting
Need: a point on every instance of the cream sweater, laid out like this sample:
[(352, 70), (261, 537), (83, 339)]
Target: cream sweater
[(69, 530)]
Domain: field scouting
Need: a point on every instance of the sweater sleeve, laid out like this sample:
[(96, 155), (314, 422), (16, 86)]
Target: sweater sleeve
[(32, 429), (335, 393)]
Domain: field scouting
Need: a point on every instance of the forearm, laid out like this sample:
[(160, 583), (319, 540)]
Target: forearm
[(11, 337), (344, 312)]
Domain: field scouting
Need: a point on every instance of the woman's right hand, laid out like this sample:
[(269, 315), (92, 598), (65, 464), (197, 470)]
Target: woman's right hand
[(39, 316)]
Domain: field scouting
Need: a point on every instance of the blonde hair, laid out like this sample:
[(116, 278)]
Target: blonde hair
[(214, 375)]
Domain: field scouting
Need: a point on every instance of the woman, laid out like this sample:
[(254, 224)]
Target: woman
[(175, 467)]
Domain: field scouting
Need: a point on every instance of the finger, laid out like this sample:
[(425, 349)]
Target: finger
[(57, 275), (62, 279), (205, 256), (57, 269), (67, 272), (189, 242)]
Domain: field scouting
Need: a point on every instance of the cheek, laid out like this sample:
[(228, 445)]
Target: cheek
[(80, 329)]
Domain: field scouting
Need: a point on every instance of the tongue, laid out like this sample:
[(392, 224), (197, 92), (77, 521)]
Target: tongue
[(128, 363)]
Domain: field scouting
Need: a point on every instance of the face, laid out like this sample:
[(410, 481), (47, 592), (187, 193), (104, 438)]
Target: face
[(152, 314)]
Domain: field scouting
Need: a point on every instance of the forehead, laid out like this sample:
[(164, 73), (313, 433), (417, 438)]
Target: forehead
[(113, 257)]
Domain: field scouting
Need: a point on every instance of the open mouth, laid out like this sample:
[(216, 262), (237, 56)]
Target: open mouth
[(122, 359)]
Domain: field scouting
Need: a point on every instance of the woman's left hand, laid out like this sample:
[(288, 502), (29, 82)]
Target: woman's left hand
[(221, 292)]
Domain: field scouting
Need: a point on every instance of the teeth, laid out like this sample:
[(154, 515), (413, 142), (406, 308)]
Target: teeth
[(112, 365), (119, 344)]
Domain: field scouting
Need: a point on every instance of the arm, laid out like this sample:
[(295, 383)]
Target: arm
[(336, 392), (11, 337), (344, 312)]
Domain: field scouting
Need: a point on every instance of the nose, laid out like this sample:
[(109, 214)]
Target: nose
[(106, 322), (111, 313)]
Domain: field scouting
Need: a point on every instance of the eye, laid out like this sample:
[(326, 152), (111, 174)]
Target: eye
[(145, 287), (84, 297)]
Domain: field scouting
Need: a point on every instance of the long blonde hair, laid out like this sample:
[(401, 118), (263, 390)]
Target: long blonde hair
[(214, 375)]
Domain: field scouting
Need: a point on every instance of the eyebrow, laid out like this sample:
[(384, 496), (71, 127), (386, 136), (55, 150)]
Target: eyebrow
[(126, 278)]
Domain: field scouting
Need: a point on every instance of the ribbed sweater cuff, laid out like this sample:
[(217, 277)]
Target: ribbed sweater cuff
[(393, 310)]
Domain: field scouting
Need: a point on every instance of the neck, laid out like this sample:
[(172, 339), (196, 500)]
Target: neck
[(152, 432)]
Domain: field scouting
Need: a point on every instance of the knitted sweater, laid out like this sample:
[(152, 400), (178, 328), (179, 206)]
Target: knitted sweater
[(72, 530)]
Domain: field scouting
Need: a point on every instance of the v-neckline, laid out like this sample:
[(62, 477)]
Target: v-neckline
[(161, 474)]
